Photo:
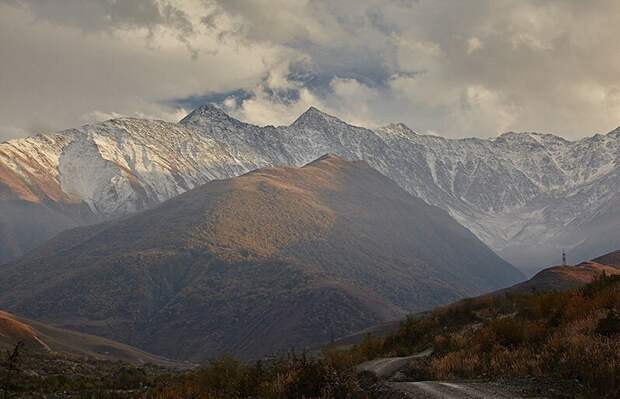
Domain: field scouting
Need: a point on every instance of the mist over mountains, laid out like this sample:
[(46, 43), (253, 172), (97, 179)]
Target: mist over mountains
[(526, 195)]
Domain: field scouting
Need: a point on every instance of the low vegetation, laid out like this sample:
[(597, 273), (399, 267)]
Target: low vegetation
[(33, 374), (289, 377), (572, 335)]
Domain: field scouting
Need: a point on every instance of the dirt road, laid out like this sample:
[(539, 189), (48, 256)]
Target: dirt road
[(455, 390), (385, 367)]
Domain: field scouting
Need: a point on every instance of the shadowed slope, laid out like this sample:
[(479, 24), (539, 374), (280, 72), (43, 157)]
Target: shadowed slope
[(256, 264)]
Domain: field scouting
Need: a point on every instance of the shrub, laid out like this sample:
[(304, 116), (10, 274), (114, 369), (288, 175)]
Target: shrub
[(610, 325), (507, 331)]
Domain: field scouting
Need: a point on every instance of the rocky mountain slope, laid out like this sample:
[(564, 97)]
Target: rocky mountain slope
[(276, 258), (526, 195)]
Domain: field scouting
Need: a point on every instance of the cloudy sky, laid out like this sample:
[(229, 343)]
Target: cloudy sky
[(454, 68)]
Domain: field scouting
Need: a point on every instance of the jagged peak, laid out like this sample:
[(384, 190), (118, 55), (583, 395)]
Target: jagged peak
[(207, 113), (314, 117), (312, 110), (398, 128)]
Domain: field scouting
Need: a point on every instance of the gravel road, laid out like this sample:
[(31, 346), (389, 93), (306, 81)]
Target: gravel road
[(387, 366), (455, 390)]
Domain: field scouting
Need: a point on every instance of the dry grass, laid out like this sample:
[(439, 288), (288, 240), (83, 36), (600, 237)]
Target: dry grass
[(573, 335)]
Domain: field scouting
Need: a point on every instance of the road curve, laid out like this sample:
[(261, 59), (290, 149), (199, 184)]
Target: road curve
[(387, 366)]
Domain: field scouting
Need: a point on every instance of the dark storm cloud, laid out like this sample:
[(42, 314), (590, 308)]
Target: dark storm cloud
[(195, 101)]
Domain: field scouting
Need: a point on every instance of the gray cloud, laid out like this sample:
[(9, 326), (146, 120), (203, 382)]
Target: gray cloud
[(474, 68), (459, 68), (108, 15)]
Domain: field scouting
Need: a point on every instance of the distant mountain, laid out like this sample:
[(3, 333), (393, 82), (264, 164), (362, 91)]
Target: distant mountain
[(526, 195), (276, 258), (43, 338), (611, 259), (562, 278)]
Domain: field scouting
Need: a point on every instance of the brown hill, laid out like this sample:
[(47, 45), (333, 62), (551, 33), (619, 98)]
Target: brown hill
[(40, 337), (562, 278), (611, 259), (13, 331), (276, 258)]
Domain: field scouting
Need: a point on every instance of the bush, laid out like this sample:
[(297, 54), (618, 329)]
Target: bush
[(610, 325)]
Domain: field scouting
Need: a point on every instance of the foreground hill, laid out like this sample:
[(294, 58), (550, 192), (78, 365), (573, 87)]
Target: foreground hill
[(50, 362), (562, 278), (272, 259), (568, 341), (526, 195), (45, 339), (552, 279)]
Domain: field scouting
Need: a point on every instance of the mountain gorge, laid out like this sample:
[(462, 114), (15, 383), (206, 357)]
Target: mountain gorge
[(256, 264), (526, 195)]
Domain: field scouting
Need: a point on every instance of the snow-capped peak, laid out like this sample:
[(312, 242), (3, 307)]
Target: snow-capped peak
[(314, 118), (205, 114), (515, 189)]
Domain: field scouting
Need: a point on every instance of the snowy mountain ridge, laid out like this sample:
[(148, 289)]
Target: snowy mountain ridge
[(515, 191)]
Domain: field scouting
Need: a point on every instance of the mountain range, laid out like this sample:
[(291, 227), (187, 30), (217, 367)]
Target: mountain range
[(526, 195), (256, 264)]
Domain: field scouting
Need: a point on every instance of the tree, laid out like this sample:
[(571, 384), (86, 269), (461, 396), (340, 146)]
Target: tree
[(11, 366)]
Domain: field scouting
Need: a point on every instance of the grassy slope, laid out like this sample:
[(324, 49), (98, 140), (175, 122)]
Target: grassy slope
[(573, 334)]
